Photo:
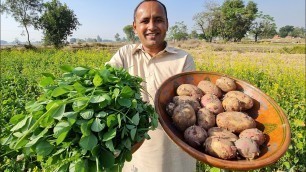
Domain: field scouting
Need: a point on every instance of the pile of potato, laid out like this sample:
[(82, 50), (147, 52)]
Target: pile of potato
[(213, 119)]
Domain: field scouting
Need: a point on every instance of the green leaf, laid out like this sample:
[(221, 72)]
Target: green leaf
[(79, 87), (81, 165), (50, 75), (125, 102), (127, 92), (79, 105), (59, 91), (88, 142), (106, 159), (135, 119), (80, 71), (116, 93), (97, 99), (44, 148), (133, 133), (101, 114), (109, 135), (59, 113), (32, 106), (87, 114), (109, 144), (97, 126), (66, 68), (20, 124), (46, 82), (111, 121), (97, 81), (61, 129)]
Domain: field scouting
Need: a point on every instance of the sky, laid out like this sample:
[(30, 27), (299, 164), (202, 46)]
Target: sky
[(108, 17)]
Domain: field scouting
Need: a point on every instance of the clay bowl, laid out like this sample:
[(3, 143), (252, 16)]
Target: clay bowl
[(136, 146), (268, 115)]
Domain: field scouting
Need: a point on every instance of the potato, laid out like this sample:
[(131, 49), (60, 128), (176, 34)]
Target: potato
[(170, 108), (245, 100), (220, 148), (235, 122), (222, 133), (209, 87), (231, 104), (254, 134), (183, 116), (187, 99), (189, 90), (206, 119), (247, 148), (226, 84), (195, 136), (212, 103)]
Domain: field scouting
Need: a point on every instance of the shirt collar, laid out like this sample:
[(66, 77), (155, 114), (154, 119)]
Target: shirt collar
[(168, 49)]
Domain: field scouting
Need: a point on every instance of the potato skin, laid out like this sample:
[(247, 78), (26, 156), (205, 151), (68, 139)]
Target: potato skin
[(187, 99), (183, 116), (247, 148), (254, 134), (231, 104), (212, 103), (245, 100), (170, 108), (209, 87), (222, 133), (189, 90), (226, 84), (206, 119), (235, 122), (195, 136), (220, 148)]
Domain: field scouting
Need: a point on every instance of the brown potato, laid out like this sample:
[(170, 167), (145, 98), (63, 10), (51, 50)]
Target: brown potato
[(235, 122), (206, 119), (247, 148), (212, 103), (231, 104), (245, 100), (226, 84), (183, 116), (209, 87), (170, 108), (220, 148), (187, 99), (189, 90), (254, 134), (222, 133)]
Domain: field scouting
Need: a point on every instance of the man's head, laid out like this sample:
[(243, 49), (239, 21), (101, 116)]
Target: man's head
[(151, 23)]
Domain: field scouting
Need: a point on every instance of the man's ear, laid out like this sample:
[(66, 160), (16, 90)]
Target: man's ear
[(134, 27)]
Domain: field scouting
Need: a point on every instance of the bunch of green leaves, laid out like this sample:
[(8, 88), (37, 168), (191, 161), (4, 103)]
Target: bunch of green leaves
[(87, 120)]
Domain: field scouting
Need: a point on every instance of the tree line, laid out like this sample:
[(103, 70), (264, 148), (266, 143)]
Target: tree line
[(231, 21)]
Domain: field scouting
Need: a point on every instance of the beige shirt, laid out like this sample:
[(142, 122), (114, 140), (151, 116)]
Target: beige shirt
[(159, 154)]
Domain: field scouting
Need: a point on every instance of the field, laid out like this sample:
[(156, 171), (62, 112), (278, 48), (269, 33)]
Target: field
[(278, 69)]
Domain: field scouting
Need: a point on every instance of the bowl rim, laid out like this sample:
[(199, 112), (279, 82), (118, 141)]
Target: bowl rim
[(220, 163)]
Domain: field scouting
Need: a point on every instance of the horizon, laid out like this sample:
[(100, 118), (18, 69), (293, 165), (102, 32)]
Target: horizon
[(98, 18)]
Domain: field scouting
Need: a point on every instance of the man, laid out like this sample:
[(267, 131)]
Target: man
[(154, 61)]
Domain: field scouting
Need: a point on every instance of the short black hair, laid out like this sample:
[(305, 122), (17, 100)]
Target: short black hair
[(165, 9)]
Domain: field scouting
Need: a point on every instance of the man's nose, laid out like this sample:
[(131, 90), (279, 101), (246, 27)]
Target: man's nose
[(151, 25)]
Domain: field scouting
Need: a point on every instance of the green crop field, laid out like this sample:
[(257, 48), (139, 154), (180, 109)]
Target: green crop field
[(278, 71)]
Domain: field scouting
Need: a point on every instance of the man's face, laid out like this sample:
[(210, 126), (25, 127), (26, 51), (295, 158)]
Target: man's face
[(151, 24)]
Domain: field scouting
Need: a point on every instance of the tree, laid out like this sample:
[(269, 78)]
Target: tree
[(117, 37), (298, 32), (237, 19), (209, 21), (284, 31), (178, 31), (99, 39), (129, 32), (194, 35), (263, 26), (24, 12), (57, 23)]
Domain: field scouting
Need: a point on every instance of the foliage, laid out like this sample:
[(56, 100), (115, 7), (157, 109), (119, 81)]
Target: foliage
[(57, 23), (209, 22), (178, 31), (284, 31), (99, 39), (298, 32), (237, 18), (263, 27), (25, 12), (129, 32), (117, 37)]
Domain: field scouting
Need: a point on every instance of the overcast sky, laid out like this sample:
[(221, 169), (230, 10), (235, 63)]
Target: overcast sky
[(108, 17)]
